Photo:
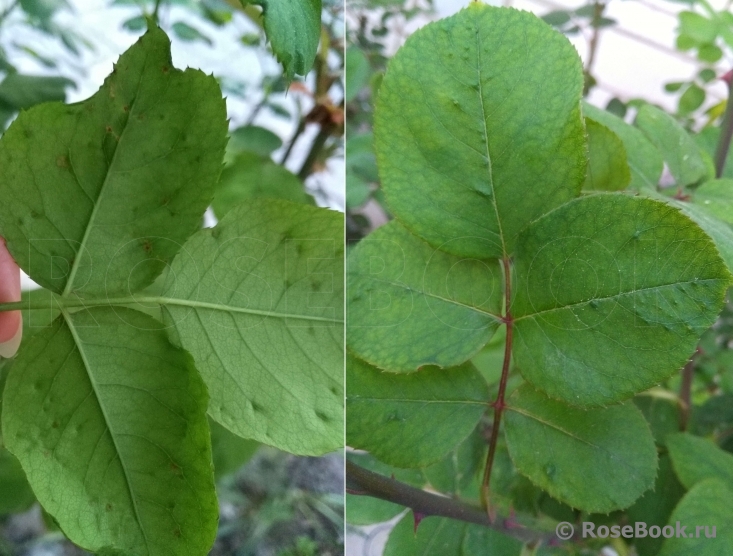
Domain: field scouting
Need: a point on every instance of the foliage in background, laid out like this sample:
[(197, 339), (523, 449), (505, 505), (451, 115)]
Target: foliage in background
[(538, 477)]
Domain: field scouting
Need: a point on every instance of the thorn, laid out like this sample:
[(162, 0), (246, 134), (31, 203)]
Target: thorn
[(491, 511), (418, 517)]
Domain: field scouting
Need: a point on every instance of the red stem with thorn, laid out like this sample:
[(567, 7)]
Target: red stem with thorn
[(499, 405)]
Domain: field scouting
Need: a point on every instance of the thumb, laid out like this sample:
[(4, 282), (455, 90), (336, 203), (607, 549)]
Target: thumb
[(11, 327)]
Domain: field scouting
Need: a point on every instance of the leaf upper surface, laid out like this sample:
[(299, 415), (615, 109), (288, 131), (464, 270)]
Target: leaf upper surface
[(716, 196), (678, 149), (597, 460), (439, 536), (258, 302), (708, 503), (613, 293), (251, 176), (644, 159), (410, 304), (608, 169), (98, 195), (108, 420), (391, 415), (696, 459), (488, 125)]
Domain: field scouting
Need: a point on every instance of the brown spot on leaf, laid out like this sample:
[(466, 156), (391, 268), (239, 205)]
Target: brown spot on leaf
[(62, 161)]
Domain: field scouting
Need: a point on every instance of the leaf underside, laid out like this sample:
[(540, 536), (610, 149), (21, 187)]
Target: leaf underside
[(294, 29), (99, 195), (108, 420), (258, 302)]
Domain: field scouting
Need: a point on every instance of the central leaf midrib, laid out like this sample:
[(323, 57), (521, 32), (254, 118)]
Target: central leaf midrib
[(612, 297), (90, 223), (416, 400), (67, 303), (486, 141), (569, 434), (428, 294), (95, 389)]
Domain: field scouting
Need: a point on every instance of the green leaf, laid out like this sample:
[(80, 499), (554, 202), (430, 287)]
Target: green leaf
[(613, 293), (696, 459), (360, 157), (229, 451), (411, 305), (716, 414), (358, 71), (674, 86), (294, 29), (677, 147), (707, 140), (493, 139), (17, 495), (476, 538), (252, 176), (187, 33), (709, 53), (358, 191), (459, 471), (389, 414), (42, 9), (254, 139), (716, 196), (685, 42), (597, 460), (608, 169), (697, 27), (439, 536), (135, 24), (707, 504), (258, 302), (20, 92), (691, 99), (656, 506), (662, 414), (557, 18), (720, 232), (35, 320), (119, 181), (644, 160), (707, 75), (108, 420)]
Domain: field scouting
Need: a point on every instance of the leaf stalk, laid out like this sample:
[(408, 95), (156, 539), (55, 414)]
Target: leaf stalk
[(499, 404)]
